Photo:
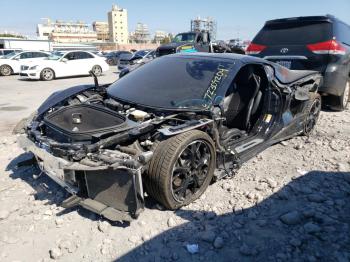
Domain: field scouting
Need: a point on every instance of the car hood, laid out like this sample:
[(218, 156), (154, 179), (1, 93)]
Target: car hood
[(40, 62), (61, 95)]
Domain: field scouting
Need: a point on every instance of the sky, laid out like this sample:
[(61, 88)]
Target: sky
[(241, 19)]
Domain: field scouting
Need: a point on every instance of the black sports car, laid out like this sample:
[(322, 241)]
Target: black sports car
[(170, 128)]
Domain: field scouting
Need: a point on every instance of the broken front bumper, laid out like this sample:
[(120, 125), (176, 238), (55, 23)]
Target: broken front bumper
[(113, 192)]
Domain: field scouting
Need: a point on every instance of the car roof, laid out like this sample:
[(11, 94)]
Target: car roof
[(69, 51), (27, 51), (323, 18)]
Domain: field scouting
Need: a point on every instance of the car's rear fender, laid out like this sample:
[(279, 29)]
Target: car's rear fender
[(334, 80)]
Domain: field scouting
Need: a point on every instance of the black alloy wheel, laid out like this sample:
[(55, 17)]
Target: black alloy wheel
[(313, 112), (190, 170), (181, 169)]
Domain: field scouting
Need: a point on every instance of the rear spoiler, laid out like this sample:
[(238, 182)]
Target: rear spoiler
[(327, 18)]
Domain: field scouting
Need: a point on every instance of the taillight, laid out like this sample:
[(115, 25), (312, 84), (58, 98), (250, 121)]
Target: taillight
[(329, 47), (254, 49)]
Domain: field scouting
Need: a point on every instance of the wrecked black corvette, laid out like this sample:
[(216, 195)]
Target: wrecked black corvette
[(168, 128)]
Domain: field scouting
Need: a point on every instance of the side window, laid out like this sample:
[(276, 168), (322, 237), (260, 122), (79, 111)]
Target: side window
[(83, 55), (39, 54), (205, 38), (26, 55), (343, 33), (70, 56), (151, 54), (199, 38)]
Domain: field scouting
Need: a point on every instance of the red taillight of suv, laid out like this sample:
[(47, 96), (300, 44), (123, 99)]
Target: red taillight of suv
[(329, 47), (254, 49)]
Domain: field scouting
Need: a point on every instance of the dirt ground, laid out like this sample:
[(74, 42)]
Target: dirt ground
[(290, 203)]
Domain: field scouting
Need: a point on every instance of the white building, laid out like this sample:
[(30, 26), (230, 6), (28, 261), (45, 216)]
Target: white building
[(141, 34), (102, 30), (41, 45), (159, 36), (118, 25), (66, 32)]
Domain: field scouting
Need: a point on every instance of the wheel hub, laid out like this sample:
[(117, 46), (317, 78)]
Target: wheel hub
[(190, 170), (313, 115)]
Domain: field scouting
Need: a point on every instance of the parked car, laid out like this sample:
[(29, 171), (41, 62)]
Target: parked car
[(140, 57), (187, 42), (220, 46), (114, 57), (11, 63), (319, 43), (98, 53), (236, 46), (167, 126), (8, 51), (64, 64)]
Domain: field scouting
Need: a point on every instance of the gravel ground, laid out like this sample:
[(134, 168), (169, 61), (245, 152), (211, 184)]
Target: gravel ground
[(290, 203)]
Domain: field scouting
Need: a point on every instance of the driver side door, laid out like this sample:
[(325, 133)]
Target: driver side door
[(68, 65)]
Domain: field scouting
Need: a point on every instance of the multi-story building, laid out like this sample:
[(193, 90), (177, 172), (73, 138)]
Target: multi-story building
[(118, 25), (66, 32), (159, 36), (141, 34), (102, 30)]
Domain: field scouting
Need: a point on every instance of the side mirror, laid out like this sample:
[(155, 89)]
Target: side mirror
[(64, 60), (16, 58)]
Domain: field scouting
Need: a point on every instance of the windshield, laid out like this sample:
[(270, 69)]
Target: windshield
[(185, 37), (141, 53), (9, 56), (174, 83), (55, 56)]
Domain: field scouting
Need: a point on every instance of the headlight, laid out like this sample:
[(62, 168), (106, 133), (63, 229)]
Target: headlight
[(33, 67)]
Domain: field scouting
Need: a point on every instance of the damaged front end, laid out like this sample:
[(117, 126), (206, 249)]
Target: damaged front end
[(111, 190), (98, 148)]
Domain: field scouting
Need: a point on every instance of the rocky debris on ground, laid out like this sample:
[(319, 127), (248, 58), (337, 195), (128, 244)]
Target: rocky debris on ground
[(290, 203)]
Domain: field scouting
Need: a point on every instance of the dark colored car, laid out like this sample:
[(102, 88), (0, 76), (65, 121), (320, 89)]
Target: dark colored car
[(236, 46), (113, 58), (220, 46), (170, 128), (188, 42), (320, 43), (137, 59)]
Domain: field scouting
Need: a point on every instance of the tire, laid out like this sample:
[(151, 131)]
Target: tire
[(312, 110), (97, 70), (110, 62), (340, 103), (47, 74), (172, 179), (6, 70)]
